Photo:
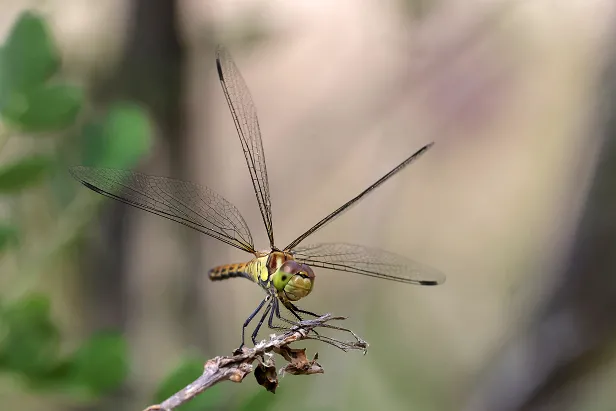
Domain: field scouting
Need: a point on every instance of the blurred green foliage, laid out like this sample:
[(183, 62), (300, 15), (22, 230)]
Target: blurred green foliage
[(44, 108), (99, 365), (33, 101), (119, 139), (23, 173), (261, 400), (29, 56), (28, 59), (30, 340), (8, 236), (30, 347)]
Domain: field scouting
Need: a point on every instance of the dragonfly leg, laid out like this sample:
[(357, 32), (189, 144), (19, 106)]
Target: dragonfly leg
[(276, 311), (293, 309), (320, 337), (249, 319), (296, 308), (256, 331), (299, 310), (270, 321), (280, 317)]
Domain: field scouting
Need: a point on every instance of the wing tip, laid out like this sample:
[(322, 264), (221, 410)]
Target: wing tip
[(77, 173), (429, 282), (219, 52), (219, 69), (425, 148)]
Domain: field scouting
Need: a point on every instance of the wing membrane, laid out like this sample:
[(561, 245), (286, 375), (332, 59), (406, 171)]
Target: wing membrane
[(247, 124), (190, 204), (348, 204), (372, 262)]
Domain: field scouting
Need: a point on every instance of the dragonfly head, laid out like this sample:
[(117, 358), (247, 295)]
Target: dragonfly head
[(293, 279)]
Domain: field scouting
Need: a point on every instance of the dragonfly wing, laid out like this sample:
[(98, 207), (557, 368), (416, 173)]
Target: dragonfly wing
[(372, 262), (337, 212), (190, 204), (246, 122)]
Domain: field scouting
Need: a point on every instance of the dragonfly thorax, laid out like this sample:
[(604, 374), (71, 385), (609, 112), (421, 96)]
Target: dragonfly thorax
[(293, 280)]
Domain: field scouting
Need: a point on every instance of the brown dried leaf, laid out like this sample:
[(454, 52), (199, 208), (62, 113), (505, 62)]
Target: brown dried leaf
[(266, 376), (298, 363)]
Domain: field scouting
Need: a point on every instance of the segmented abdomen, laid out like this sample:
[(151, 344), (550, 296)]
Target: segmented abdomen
[(222, 272)]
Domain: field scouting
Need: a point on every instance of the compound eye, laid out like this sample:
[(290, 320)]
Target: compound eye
[(306, 271), (290, 267)]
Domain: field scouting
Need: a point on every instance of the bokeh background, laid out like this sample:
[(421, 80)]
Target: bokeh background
[(107, 307)]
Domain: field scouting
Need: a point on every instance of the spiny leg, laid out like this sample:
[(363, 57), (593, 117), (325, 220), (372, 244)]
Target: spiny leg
[(256, 331), (342, 345), (249, 319), (270, 321), (292, 309), (296, 315), (333, 327), (280, 317), (299, 310)]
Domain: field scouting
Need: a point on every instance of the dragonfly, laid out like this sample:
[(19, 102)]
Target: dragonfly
[(285, 274)]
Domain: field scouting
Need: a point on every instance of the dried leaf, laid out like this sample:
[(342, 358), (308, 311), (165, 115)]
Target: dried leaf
[(266, 376), (298, 363)]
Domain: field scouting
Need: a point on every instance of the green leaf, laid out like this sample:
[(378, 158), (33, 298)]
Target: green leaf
[(44, 108), (100, 365), (29, 56), (29, 340), (187, 372), (120, 139), (23, 173)]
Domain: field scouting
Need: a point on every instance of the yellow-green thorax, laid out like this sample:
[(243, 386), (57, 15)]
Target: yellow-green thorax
[(273, 271)]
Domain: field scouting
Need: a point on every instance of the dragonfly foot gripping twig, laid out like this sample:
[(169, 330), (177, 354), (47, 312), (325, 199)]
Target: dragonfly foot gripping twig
[(238, 366)]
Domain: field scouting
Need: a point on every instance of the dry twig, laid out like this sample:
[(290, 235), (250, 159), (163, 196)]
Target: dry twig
[(236, 367)]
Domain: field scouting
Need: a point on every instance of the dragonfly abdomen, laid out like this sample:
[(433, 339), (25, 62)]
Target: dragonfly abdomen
[(222, 272)]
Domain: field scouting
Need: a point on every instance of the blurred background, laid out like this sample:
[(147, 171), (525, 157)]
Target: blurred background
[(103, 306)]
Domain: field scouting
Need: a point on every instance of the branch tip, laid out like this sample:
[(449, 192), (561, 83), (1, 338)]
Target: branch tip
[(239, 365)]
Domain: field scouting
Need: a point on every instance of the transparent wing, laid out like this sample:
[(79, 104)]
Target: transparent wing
[(190, 204), (336, 213), (372, 262), (247, 124)]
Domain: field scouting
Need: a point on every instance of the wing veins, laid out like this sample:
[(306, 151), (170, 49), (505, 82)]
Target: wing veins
[(257, 167), (250, 161), (188, 223), (372, 262), (219, 224), (210, 213), (346, 268)]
